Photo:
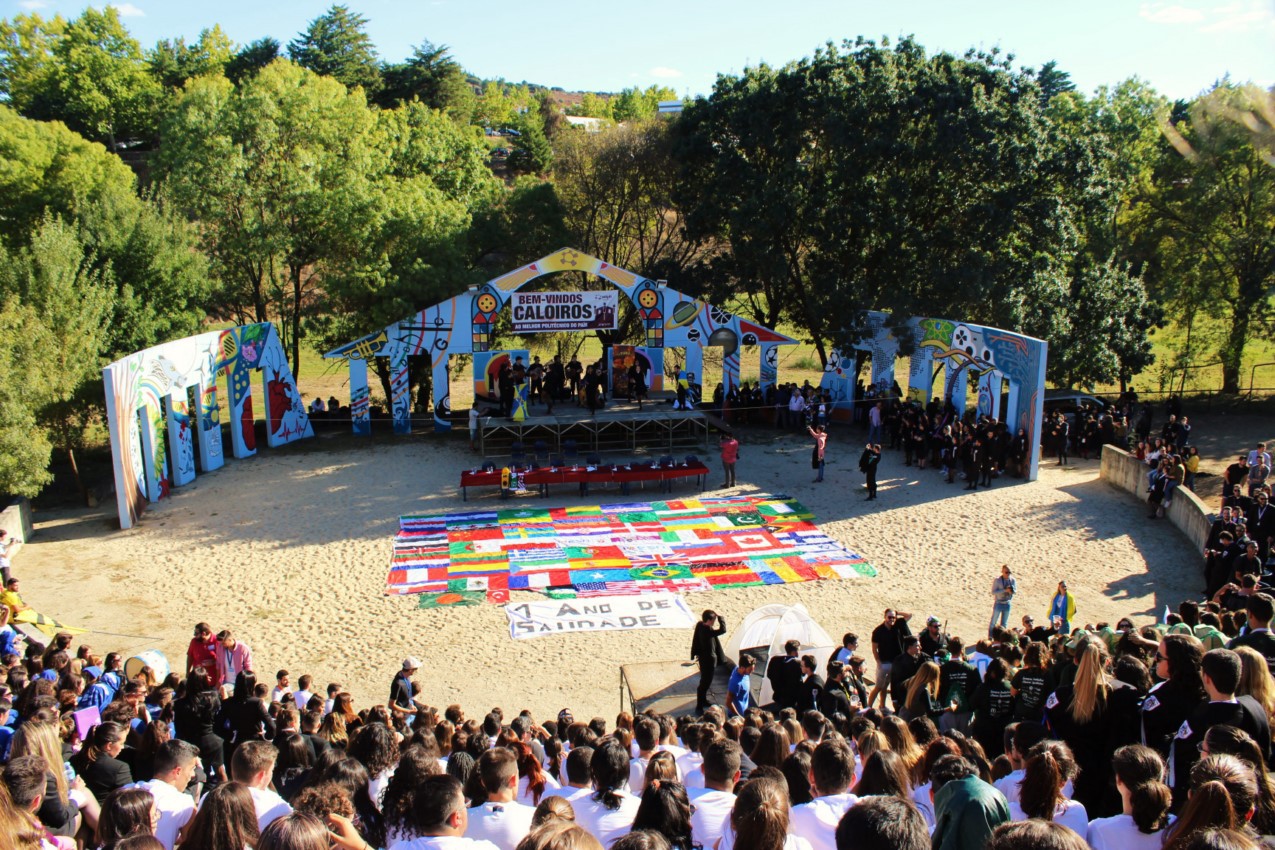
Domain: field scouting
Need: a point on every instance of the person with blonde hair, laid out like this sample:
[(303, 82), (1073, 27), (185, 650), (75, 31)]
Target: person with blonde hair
[(1256, 680), (923, 694), (62, 800), (1095, 715)]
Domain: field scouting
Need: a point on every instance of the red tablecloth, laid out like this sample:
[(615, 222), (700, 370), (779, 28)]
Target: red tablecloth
[(604, 474)]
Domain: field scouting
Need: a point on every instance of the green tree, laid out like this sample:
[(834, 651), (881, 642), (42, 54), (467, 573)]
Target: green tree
[(1053, 81), (251, 59), (1108, 322), (27, 69), (173, 62), (70, 299), (336, 44), (162, 280), (279, 173), (434, 78), (593, 106), (883, 178), (104, 88), (531, 153), (24, 446), (1210, 214)]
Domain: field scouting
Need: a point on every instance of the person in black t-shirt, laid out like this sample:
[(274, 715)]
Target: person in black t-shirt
[(401, 702), (1032, 684), (905, 665), (887, 643), (933, 641)]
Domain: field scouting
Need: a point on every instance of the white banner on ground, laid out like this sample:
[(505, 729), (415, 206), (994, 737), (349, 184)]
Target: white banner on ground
[(599, 614)]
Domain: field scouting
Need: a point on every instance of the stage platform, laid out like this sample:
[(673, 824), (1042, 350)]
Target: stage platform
[(619, 427), (668, 687)]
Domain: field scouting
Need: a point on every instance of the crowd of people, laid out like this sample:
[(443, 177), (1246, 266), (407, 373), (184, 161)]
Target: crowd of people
[(1061, 735)]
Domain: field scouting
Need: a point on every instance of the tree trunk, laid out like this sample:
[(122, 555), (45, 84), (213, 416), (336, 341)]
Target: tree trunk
[(75, 473), (295, 321), (1233, 355)]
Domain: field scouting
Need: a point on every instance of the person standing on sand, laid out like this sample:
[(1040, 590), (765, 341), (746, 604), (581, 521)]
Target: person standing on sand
[(873, 463), (706, 648), (1063, 606), (816, 456), (1003, 589), (730, 456)]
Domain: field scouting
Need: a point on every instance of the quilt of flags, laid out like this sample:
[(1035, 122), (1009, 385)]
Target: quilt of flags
[(614, 550)]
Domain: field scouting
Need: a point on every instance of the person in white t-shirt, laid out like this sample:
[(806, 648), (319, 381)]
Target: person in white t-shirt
[(1049, 766), (831, 771), (443, 818), (713, 802), (646, 737), (1146, 799), (283, 685), (253, 765), (174, 765), (501, 819), (301, 698), (576, 768), (608, 812)]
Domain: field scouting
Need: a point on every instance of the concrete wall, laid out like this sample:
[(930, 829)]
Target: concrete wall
[(16, 519), (1186, 510)]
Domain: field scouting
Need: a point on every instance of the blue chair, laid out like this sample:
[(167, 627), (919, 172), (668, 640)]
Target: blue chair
[(571, 450)]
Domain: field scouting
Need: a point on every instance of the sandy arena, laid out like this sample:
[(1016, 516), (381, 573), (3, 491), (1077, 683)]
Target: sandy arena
[(291, 549)]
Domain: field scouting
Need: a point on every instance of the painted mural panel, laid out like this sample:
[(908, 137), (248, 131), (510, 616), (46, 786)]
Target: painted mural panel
[(966, 352), (147, 397)]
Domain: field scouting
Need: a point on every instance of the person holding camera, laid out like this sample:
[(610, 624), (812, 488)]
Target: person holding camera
[(1004, 587)]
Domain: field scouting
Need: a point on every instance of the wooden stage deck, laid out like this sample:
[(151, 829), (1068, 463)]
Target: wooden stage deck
[(618, 428)]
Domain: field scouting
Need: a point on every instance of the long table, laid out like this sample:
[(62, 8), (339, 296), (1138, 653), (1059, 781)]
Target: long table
[(622, 474)]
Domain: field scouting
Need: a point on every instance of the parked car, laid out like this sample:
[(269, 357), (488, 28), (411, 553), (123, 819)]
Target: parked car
[(1071, 401)]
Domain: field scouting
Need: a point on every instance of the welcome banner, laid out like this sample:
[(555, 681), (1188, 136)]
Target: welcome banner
[(536, 312), (615, 613)]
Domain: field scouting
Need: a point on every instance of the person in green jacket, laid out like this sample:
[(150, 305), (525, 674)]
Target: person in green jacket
[(966, 809)]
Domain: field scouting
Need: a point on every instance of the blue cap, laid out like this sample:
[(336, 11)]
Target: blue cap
[(94, 671)]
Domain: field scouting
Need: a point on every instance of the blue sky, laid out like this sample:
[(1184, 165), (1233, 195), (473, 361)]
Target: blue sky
[(1179, 47)]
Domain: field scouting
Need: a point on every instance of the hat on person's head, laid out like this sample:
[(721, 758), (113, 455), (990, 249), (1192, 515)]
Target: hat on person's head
[(410, 663), (933, 621), (94, 671), (1078, 637)]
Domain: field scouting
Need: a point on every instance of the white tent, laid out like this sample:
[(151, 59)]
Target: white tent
[(772, 626)]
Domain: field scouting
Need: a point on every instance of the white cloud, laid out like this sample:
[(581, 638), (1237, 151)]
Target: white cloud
[(663, 73), (1160, 13), (34, 5), (1241, 16), (1227, 17), (128, 10)]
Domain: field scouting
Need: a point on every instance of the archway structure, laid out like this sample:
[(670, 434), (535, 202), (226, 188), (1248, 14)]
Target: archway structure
[(965, 352), (462, 325)]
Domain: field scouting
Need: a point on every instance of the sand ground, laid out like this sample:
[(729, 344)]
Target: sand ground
[(290, 549)]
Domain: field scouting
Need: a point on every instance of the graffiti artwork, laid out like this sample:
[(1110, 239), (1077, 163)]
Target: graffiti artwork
[(440, 331), (155, 437), (988, 357)]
